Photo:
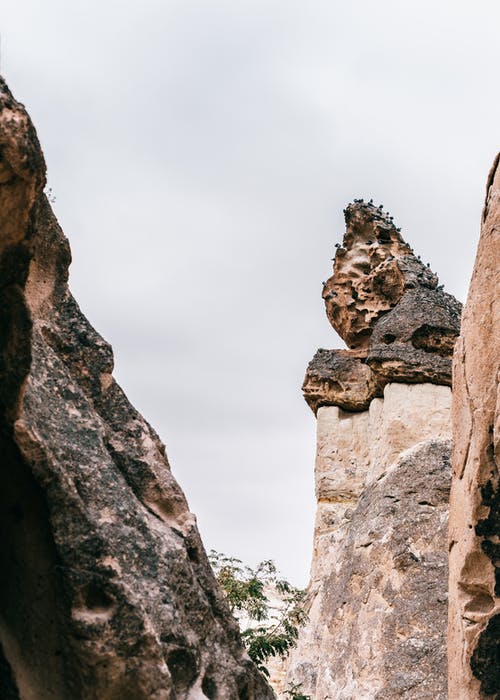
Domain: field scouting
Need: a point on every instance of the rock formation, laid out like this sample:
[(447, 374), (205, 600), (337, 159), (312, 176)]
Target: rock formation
[(387, 305), (474, 613), (106, 592), (377, 595)]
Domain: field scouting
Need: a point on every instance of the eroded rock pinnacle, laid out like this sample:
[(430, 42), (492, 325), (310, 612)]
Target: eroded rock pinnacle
[(387, 306)]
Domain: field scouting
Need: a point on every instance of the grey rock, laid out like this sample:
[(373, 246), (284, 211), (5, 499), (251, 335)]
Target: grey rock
[(414, 342), (377, 593), (384, 602)]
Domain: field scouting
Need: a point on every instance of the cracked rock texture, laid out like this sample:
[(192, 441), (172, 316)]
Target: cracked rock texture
[(106, 592), (340, 378), (377, 597), (474, 536), (388, 308)]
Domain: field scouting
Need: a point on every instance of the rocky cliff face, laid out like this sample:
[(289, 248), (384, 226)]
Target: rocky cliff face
[(377, 595), (106, 592), (474, 613)]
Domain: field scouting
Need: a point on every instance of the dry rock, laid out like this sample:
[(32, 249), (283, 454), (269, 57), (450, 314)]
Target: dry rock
[(384, 599), (399, 325), (372, 270), (414, 342), (106, 592), (377, 594), (340, 378), (474, 536)]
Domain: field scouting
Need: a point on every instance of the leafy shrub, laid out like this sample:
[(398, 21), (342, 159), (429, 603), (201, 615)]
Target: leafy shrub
[(269, 610)]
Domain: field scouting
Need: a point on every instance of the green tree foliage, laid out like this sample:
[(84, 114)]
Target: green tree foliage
[(269, 610)]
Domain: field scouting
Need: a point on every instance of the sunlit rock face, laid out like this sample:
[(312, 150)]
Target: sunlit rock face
[(474, 613), (377, 597), (106, 592)]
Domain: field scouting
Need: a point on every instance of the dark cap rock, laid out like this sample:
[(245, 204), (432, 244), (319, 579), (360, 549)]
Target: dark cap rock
[(338, 378), (414, 342)]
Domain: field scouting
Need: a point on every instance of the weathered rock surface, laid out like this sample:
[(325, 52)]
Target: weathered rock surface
[(372, 269), (387, 305), (106, 592), (377, 596), (340, 378), (414, 342), (385, 596), (474, 537)]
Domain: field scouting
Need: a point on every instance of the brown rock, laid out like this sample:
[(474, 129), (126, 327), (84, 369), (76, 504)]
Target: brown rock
[(106, 592), (474, 535), (386, 305), (340, 378), (372, 270)]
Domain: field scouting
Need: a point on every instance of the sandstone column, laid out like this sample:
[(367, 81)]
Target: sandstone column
[(377, 595), (474, 537)]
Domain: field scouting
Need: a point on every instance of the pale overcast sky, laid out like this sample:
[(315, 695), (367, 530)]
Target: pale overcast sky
[(201, 153)]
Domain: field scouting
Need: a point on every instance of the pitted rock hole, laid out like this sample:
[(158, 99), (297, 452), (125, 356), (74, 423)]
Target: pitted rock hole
[(183, 668), (484, 660), (430, 339), (480, 602), (94, 604), (209, 688), (243, 690)]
